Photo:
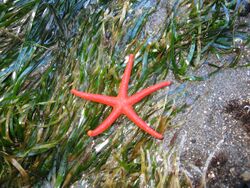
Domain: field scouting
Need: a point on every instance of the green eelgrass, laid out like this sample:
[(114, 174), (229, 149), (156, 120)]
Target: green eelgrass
[(49, 47)]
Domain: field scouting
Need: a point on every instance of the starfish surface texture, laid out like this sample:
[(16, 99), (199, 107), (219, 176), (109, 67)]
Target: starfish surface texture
[(122, 103)]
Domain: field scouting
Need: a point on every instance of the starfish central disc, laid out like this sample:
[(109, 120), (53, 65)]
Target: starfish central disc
[(123, 104)]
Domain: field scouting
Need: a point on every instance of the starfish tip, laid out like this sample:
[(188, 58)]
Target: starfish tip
[(161, 137), (90, 133), (131, 56), (72, 91)]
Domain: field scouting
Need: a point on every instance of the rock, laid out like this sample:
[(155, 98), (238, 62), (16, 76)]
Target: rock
[(245, 176)]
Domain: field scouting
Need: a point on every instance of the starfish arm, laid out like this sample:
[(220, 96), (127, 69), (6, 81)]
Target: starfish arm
[(111, 101), (106, 123), (126, 76), (131, 114), (143, 93)]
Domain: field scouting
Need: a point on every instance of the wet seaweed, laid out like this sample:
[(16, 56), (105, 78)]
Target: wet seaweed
[(48, 47)]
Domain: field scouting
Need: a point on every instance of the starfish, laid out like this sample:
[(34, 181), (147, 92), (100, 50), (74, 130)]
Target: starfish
[(122, 103)]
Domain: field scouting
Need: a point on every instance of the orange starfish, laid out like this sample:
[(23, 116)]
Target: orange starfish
[(122, 103)]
